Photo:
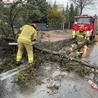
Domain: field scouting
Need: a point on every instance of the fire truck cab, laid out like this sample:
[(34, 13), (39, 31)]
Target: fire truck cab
[(85, 24)]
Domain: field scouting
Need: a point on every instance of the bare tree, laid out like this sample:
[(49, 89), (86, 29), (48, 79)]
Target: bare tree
[(81, 4)]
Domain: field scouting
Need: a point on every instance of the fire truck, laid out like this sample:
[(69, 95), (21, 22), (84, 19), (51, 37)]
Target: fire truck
[(86, 25)]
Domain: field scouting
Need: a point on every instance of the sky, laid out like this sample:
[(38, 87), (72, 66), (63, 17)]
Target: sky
[(92, 10), (58, 1)]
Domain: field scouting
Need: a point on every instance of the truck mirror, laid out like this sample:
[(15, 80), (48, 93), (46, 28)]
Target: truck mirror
[(47, 25), (93, 21), (75, 22)]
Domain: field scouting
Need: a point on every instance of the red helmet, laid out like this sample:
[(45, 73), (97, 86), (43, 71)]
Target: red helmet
[(81, 28), (34, 25)]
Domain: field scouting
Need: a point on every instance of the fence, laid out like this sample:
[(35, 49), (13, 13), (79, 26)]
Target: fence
[(53, 26)]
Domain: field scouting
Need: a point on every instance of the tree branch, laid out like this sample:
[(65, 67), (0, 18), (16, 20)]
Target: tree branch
[(64, 55)]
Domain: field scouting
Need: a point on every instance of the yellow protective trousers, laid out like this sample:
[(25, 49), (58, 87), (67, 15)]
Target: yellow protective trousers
[(29, 50)]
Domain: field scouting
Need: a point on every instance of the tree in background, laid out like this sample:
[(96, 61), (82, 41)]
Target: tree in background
[(55, 5), (55, 16), (69, 13), (21, 13), (37, 10), (67, 16), (8, 17), (95, 16), (43, 7), (76, 11), (81, 4)]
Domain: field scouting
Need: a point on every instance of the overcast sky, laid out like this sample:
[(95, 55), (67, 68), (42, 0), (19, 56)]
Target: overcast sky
[(92, 10), (58, 1)]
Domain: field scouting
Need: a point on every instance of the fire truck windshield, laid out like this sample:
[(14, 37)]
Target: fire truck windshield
[(83, 20)]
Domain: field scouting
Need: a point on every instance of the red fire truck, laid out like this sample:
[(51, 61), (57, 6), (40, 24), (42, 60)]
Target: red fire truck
[(85, 24)]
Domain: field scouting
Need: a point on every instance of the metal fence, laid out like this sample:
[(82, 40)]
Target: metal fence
[(50, 26), (53, 26)]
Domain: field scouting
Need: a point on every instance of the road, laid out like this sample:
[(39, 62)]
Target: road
[(54, 83)]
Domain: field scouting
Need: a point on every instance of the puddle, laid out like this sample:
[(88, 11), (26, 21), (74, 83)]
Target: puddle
[(93, 55)]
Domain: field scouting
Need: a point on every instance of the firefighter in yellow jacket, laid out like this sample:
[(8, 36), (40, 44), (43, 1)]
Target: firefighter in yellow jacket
[(27, 35)]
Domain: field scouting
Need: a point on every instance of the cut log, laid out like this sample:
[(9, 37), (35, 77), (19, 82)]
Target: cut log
[(15, 44)]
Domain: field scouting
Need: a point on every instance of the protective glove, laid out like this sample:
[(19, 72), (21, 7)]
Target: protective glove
[(34, 39)]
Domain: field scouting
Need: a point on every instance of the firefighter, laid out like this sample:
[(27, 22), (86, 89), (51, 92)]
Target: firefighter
[(79, 40), (27, 35)]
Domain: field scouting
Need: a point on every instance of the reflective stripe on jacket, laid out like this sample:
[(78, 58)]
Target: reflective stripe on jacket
[(27, 34)]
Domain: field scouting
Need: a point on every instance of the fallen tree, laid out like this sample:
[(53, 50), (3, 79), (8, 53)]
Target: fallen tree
[(65, 59), (64, 55)]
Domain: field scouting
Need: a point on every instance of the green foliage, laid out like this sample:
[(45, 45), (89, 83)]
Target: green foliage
[(43, 7), (67, 13), (54, 5), (71, 13), (6, 65), (25, 75), (21, 13), (37, 10), (55, 16), (33, 13), (76, 11), (8, 16)]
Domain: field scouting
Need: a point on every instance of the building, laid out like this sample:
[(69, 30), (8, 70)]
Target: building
[(60, 7), (8, 1)]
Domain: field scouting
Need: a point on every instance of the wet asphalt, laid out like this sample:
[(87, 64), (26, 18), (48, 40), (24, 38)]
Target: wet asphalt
[(70, 85)]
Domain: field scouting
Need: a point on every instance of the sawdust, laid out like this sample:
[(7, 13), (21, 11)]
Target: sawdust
[(8, 53), (54, 35)]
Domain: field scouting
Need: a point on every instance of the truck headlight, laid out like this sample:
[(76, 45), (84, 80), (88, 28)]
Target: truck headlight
[(88, 33), (73, 34)]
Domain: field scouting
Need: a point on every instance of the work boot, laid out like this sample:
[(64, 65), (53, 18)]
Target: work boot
[(79, 53), (30, 64), (18, 63)]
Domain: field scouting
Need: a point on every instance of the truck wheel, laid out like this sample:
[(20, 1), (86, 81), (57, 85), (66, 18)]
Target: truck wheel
[(90, 38), (93, 37)]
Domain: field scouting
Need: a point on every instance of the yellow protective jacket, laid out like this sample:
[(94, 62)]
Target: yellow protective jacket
[(27, 34), (80, 39)]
